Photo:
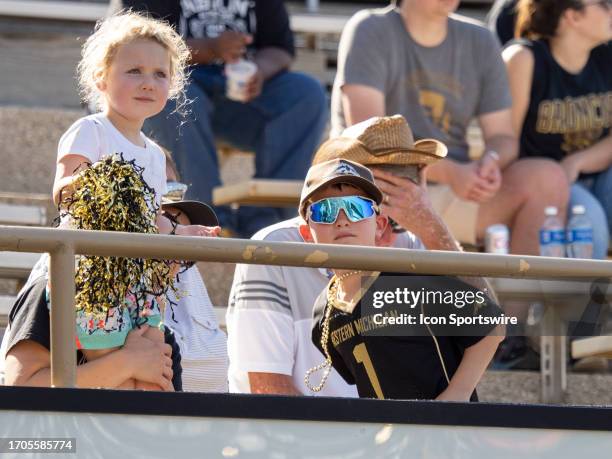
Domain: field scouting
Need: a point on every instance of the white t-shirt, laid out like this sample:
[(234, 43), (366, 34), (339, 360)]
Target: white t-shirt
[(269, 319), (203, 344), (95, 137)]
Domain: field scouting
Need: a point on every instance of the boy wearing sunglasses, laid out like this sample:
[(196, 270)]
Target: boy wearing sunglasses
[(340, 203)]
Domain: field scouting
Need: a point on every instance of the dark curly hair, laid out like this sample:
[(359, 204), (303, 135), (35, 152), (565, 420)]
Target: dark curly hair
[(540, 18)]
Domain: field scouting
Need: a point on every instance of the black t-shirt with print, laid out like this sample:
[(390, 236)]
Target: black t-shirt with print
[(266, 20), (29, 320), (401, 361), (567, 112)]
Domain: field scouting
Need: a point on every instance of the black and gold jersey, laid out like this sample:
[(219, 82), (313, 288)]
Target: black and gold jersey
[(567, 112), (387, 354)]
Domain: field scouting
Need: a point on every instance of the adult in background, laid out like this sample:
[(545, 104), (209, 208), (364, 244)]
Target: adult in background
[(440, 71), (281, 120), (561, 82), (269, 320)]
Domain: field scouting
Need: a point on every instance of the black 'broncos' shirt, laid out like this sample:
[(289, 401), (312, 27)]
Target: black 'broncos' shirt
[(402, 361), (567, 112)]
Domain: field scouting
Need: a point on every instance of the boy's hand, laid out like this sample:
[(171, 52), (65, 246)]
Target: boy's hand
[(197, 230)]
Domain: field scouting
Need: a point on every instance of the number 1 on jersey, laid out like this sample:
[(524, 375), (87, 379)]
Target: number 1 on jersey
[(360, 352)]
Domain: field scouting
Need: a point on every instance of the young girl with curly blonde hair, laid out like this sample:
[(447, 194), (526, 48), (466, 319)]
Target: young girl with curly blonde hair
[(131, 65)]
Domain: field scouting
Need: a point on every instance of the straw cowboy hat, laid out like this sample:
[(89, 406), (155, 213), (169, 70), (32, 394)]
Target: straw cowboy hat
[(385, 140)]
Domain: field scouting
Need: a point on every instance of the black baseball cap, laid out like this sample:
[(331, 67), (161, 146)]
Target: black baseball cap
[(338, 171), (197, 212)]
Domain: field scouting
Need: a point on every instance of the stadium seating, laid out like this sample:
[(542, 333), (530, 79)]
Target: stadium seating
[(17, 265)]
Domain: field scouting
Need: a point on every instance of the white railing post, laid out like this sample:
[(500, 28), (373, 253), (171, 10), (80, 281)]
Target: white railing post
[(63, 317)]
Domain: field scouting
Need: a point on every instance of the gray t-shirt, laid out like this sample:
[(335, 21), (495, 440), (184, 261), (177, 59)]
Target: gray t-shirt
[(437, 89)]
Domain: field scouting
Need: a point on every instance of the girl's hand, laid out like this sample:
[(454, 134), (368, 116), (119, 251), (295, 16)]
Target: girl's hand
[(197, 230)]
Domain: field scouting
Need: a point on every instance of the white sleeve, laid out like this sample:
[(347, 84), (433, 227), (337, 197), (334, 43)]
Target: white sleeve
[(82, 138), (260, 322), (408, 240), (160, 170), (163, 188)]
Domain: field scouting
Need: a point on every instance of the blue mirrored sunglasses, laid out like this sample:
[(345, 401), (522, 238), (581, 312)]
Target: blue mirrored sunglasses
[(356, 209)]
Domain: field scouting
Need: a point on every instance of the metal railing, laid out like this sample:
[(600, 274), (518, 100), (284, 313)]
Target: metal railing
[(63, 245)]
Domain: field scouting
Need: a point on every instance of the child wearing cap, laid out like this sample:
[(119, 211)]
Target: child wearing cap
[(340, 203), (192, 318)]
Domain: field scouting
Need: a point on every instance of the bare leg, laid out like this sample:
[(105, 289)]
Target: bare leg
[(528, 186)]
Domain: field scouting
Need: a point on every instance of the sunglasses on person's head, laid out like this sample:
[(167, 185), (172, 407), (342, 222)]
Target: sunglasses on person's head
[(175, 190), (356, 208)]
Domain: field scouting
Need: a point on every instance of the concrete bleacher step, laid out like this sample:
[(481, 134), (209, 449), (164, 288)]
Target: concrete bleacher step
[(524, 387), (17, 265), (14, 214), (28, 147)]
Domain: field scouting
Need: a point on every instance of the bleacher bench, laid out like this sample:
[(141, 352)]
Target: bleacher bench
[(597, 346), (259, 192), (17, 265), (15, 214)]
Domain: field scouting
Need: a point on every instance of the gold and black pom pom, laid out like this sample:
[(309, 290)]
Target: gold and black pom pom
[(111, 195)]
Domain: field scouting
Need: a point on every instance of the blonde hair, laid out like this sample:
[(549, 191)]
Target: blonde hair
[(124, 27)]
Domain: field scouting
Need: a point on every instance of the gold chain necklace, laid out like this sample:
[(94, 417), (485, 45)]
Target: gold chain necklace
[(332, 297)]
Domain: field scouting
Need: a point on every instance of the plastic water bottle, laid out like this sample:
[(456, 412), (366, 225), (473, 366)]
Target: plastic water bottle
[(552, 234), (579, 234)]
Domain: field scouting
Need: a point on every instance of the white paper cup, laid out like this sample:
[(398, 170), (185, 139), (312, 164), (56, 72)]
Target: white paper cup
[(238, 75)]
